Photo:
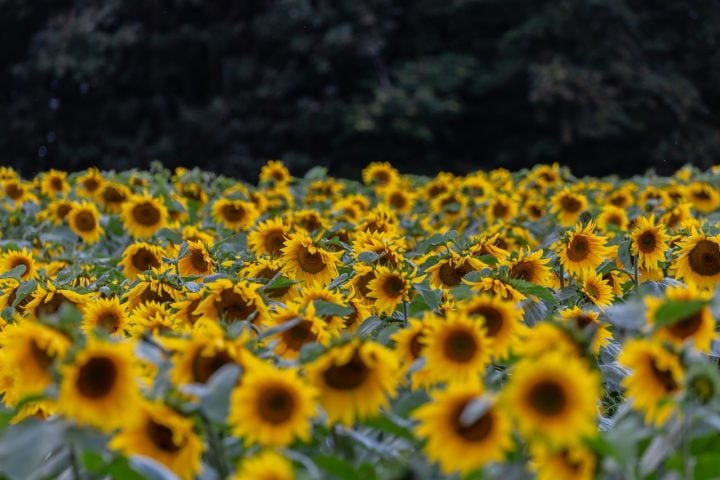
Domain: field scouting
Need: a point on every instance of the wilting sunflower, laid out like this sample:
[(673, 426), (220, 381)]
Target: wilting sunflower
[(106, 314), (98, 388), (84, 220), (464, 429), (568, 206), (563, 463), (595, 289), (500, 319), (697, 328), (553, 397), (588, 321), (457, 349), (234, 215), (355, 380), (698, 263), (272, 407), (389, 289), (143, 215), (649, 242), (139, 257), (531, 267), (305, 261), (380, 174), (448, 272), (266, 465), (160, 433), (655, 380), (268, 237), (13, 258), (234, 301), (582, 250), (197, 261), (28, 351)]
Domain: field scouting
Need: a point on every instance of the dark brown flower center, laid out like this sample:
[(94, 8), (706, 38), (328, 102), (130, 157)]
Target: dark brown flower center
[(500, 210), (162, 437), (416, 346), (522, 271), (203, 367), (198, 260), (232, 306), (97, 377), (393, 286), (91, 184), (460, 346), (146, 214), (663, 377), (398, 200), (583, 320), (109, 322), (299, 335), (687, 327), (85, 221), (547, 398), (493, 318), (310, 262), (592, 291), (450, 275), (144, 259), (276, 405), (704, 258), (347, 376), (113, 195), (570, 204), (62, 210), (478, 430), (233, 212), (578, 249), (41, 355), (14, 191), (274, 242), (646, 242), (56, 184)]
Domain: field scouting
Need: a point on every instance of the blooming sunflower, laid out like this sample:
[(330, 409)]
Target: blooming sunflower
[(588, 321), (268, 237), (649, 242), (612, 216), (139, 257), (57, 210), (311, 328), (500, 319), (390, 248), (457, 441), (197, 358), (160, 433), (380, 174), (355, 380), (275, 172), (304, 260), (582, 250), (704, 197), (502, 208), (90, 182), (496, 287), (234, 215), (106, 314), (448, 272), (456, 348), (698, 263), (84, 220), (54, 183), (48, 300), (389, 289), (143, 215), (400, 198), (655, 380), (233, 302), (98, 388), (531, 267), (532, 342), (13, 258), (197, 261), (112, 196), (272, 407), (152, 287), (310, 293), (553, 397), (564, 463), (596, 289), (266, 465), (697, 328), (266, 268), (568, 206)]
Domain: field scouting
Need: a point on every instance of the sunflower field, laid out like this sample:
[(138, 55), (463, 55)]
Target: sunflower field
[(513, 325)]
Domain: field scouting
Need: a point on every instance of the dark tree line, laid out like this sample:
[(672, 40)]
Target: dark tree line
[(601, 85)]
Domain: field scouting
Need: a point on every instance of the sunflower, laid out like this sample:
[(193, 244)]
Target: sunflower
[(563, 463), (448, 272), (233, 301), (568, 206), (530, 267), (266, 465), (360, 312), (160, 433), (152, 317), (358, 283), (106, 314), (588, 321), (98, 388), (197, 261), (655, 380), (400, 198), (309, 221), (532, 342), (112, 196), (534, 208), (197, 358), (84, 220), (698, 263), (595, 289), (275, 172), (456, 348), (235, 215), (553, 397), (649, 242), (268, 237), (380, 219), (14, 258), (48, 300), (502, 208), (140, 257), (355, 380), (390, 248), (18, 192), (408, 342), (488, 244), (457, 441), (272, 407), (54, 183), (266, 268), (28, 352), (304, 260), (380, 174), (677, 215), (311, 328), (389, 289), (153, 287), (497, 287), (9, 288), (697, 328), (143, 215), (57, 210), (310, 293), (612, 216), (704, 197), (500, 319), (582, 250), (90, 182)]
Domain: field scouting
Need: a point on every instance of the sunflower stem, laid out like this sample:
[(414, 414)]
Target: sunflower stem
[(562, 277), (405, 313), (216, 447), (636, 276)]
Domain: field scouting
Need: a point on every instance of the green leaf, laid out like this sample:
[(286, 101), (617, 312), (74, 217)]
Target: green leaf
[(673, 311), (384, 424), (15, 272), (310, 351), (529, 288), (215, 402), (327, 309), (368, 257), (336, 467), (25, 289), (431, 296), (277, 282)]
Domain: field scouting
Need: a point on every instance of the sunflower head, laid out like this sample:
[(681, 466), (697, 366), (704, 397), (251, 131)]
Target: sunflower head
[(698, 262), (266, 465), (197, 261), (389, 289), (143, 215), (140, 257), (582, 250), (84, 220), (268, 237), (304, 260), (234, 215)]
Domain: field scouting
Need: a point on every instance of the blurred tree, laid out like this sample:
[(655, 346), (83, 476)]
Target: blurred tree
[(602, 85)]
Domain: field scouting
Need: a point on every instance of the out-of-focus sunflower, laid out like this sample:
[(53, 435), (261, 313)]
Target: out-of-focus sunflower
[(588, 321), (563, 463), (532, 342), (355, 380), (612, 216), (389, 289), (698, 262), (106, 314), (390, 248), (152, 317), (143, 215), (400, 198), (235, 215), (268, 237), (84, 220), (311, 292), (272, 407), (112, 195), (57, 210), (197, 261), (98, 387), (697, 328), (310, 328), (17, 192), (703, 196), (448, 272), (49, 299), (197, 358), (13, 258), (380, 174), (502, 208), (54, 183), (233, 301), (266, 465), (567, 206), (408, 342), (488, 244), (275, 172), (496, 287), (596, 289), (500, 319), (140, 257), (160, 433), (306, 261), (655, 380), (458, 438), (649, 242), (582, 250), (89, 182), (152, 287), (267, 268), (677, 215), (553, 398)]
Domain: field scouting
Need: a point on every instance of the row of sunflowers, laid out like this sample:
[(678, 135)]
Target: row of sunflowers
[(160, 324)]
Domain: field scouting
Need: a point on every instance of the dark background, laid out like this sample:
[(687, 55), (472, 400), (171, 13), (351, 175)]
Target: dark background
[(605, 86)]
